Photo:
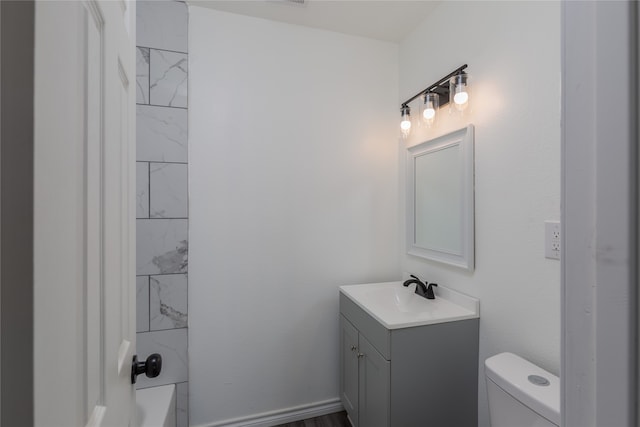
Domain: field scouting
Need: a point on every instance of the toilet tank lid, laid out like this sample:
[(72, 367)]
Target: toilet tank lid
[(511, 373)]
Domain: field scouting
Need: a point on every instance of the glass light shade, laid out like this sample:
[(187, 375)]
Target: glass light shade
[(430, 104), (459, 91), (405, 123)]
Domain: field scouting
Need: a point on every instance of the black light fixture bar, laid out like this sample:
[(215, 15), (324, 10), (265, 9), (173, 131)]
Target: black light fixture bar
[(438, 88)]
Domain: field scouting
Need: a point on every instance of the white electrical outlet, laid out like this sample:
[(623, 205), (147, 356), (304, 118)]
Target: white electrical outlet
[(552, 239)]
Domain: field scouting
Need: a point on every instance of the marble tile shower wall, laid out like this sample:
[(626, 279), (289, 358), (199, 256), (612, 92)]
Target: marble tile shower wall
[(162, 193)]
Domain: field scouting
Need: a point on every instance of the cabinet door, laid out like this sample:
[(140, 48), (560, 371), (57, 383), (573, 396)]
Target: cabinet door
[(349, 369), (375, 383)]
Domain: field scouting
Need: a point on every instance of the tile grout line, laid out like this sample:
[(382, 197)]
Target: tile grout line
[(149, 76), (149, 302), (161, 161), (170, 218), (164, 50), (161, 106), (149, 185)]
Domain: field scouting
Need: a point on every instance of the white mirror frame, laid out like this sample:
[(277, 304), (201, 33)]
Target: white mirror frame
[(465, 258)]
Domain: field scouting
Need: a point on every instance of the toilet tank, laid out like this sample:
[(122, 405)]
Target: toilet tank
[(520, 393)]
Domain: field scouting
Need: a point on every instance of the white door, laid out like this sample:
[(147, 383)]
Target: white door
[(84, 295), (599, 214)]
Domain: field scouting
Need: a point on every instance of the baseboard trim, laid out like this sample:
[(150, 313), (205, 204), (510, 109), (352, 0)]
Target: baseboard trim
[(282, 416)]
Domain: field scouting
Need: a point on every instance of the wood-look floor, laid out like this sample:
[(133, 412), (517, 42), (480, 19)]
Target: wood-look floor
[(338, 419)]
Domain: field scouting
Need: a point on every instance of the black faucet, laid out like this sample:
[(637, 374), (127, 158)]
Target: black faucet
[(430, 294), (421, 288)]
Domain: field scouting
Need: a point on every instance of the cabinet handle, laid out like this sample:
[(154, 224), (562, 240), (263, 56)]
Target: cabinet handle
[(354, 348), (360, 355)]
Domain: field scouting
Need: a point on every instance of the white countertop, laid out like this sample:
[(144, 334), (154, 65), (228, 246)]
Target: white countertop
[(396, 306)]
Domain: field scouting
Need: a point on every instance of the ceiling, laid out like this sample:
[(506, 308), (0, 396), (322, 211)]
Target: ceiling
[(389, 20)]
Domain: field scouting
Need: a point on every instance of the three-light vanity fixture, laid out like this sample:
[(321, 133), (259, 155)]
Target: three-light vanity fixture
[(452, 88)]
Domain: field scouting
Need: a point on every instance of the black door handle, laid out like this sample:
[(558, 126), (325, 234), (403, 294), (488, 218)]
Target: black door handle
[(150, 367)]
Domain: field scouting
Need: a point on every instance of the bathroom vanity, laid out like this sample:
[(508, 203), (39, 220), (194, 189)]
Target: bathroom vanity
[(408, 361)]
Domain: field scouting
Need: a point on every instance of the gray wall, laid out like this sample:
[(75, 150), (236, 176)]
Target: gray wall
[(16, 212), (162, 204)]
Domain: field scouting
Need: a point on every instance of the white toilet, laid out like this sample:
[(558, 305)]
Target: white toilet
[(520, 393)]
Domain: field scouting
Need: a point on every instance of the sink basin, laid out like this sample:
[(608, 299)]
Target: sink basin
[(396, 306), (403, 299)]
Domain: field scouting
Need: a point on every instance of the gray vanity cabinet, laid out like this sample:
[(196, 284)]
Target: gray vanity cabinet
[(421, 376), (374, 374), (349, 361), (364, 379)]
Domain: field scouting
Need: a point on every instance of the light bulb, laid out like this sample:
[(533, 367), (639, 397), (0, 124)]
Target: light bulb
[(405, 125), (429, 113), (461, 97)]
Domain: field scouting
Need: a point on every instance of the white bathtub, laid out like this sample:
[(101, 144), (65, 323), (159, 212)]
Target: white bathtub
[(156, 406)]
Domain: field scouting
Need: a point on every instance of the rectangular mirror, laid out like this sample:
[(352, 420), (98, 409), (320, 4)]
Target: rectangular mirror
[(440, 199)]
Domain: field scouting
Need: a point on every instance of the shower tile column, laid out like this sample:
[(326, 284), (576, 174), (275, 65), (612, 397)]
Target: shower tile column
[(162, 193)]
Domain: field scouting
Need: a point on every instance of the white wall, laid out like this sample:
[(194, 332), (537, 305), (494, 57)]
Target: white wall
[(513, 52), (293, 192)]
